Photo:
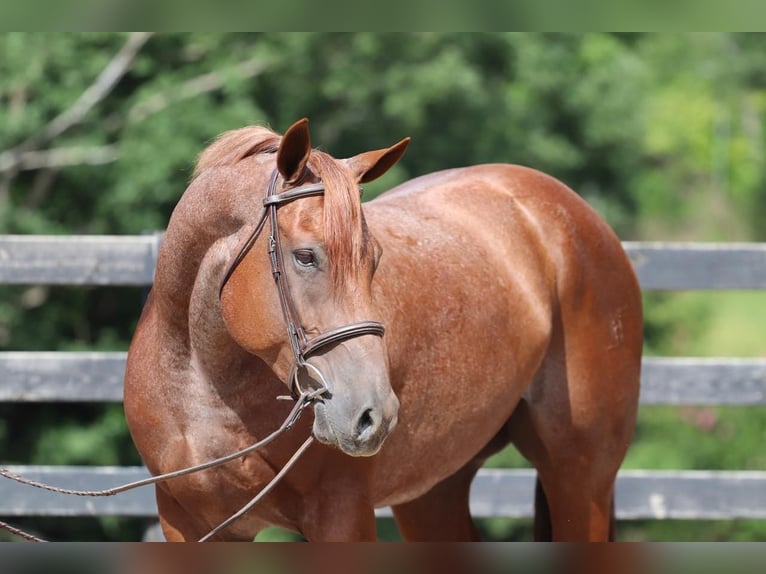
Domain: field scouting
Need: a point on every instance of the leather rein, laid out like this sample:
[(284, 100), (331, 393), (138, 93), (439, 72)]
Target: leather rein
[(302, 346)]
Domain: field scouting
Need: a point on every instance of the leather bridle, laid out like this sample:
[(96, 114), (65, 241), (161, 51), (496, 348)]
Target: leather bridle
[(302, 346)]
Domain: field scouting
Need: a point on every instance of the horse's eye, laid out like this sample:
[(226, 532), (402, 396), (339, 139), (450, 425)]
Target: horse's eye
[(305, 257)]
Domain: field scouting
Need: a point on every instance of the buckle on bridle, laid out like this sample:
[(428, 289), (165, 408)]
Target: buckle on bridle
[(273, 256), (297, 391)]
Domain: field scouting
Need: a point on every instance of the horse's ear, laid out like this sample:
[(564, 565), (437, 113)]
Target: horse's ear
[(371, 165), (294, 150)]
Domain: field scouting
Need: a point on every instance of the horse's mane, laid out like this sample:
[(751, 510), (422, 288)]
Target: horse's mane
[(235, 145), (343, 222)]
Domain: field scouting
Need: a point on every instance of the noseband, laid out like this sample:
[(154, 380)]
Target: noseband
[(301, 345)]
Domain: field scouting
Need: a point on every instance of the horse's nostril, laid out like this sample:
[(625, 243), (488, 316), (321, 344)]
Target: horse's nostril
[(365, 424)]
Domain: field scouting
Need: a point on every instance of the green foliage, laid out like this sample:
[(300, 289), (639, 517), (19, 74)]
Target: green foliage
[(661, 133), (73, 441), (722, 438), (674, 321)]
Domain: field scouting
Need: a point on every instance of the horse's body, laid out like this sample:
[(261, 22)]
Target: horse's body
[(512, 315)]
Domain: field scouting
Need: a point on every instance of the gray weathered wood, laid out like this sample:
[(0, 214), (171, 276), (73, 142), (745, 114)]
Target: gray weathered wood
[(691, 495), (78, 260), (96, 377), (130, 260), (21, 500), (640, 494), (697, 266), (703, 381), (60, 376)]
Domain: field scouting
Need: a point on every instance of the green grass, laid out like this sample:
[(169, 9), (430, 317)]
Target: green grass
[(736, 326), (706, 323)]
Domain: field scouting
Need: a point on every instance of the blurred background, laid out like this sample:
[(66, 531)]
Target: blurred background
[(662, 133)]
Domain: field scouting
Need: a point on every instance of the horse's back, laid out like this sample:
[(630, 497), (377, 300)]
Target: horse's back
[(529, 217), (533, 213)]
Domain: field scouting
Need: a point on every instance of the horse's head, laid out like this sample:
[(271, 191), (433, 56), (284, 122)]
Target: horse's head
[(315, 325)]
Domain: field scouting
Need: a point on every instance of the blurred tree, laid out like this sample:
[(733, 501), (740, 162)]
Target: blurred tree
[(662, 133)]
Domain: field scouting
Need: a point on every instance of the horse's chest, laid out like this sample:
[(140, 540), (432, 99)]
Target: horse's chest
[(215, 495)]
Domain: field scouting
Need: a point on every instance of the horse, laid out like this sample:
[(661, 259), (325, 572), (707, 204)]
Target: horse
[(455, 314)]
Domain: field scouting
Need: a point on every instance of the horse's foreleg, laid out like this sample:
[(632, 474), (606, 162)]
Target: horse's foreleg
[(441, 514), (175, 525), (337, 518)]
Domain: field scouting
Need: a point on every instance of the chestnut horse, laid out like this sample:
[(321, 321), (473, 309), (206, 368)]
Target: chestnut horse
[(511, 315)]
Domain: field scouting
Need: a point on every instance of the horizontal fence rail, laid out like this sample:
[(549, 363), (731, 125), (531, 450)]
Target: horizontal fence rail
[(130, 260), (78, 259), (698, 266), (18, 499), (97, 377), (640, 494), (61, 376)]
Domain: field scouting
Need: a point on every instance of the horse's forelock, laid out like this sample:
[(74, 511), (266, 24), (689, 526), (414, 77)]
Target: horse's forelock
[(343, 234)]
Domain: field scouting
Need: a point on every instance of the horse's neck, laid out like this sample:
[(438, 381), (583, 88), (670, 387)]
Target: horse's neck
[(199, 243)]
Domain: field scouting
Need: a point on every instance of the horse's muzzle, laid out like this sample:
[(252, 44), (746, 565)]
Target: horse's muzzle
[(361, 434)]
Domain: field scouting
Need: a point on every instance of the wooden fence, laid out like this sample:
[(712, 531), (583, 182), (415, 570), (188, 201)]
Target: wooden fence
[(130, 261)]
